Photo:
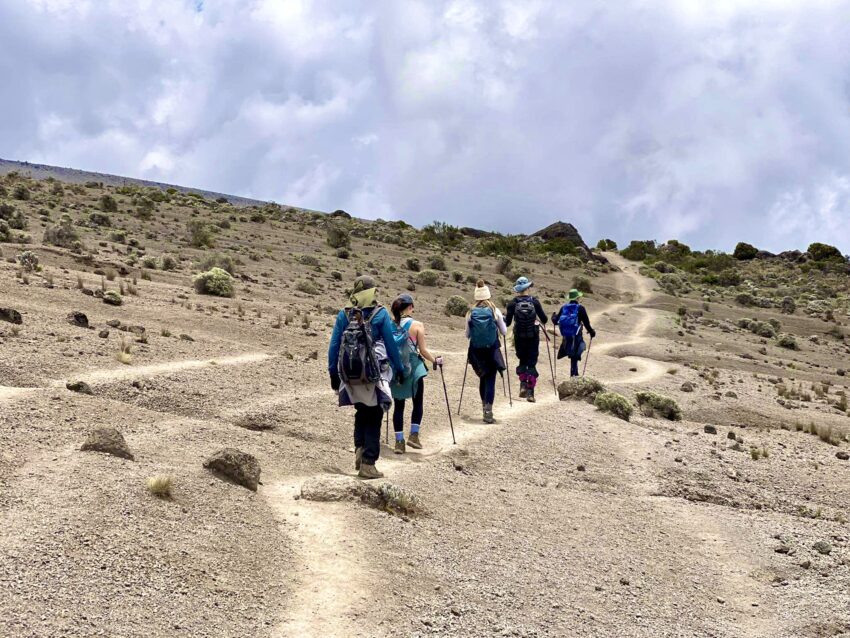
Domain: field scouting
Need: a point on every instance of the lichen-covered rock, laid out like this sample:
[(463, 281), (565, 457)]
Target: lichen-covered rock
[(240, 467), (112, 298), (79, 386), (109, 441)]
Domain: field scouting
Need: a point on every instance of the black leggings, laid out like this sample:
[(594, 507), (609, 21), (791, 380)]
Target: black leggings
[(487, 388), (398, 410)]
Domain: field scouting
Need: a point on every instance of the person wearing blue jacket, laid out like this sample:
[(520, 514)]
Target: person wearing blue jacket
[(370, 399)]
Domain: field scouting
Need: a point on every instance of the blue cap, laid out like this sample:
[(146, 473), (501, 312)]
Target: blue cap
[(523, 284)]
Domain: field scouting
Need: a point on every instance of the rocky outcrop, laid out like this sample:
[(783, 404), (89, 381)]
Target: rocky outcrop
[(563, 230)]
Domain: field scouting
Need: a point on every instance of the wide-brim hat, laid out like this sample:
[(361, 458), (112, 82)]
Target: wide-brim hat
[(523, 283), (575, 294)]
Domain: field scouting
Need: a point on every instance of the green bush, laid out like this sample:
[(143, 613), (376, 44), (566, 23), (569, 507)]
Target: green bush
[(168, 262), (639, 250), (457, 276), (108, 204), (338, 236), (199, 234), (28, 261), (112, 298), (145, 207), (504, 266), (216, 282), (789, 306), (651, 404), (412, 263), (582, 284), (456, 306), (437, 262), (343, 253), (614, 403), (307, 287), (787, 341), (308, 260), (428, 278), (63, 234), (580, 388), (217, 260), (99, 219), (118, 236), (606, 244), (744, 299), (824, 252), (21, 192), (5, 233), (744, 251)]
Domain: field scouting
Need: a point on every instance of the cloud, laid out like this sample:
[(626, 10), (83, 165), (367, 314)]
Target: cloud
[(710, 122)]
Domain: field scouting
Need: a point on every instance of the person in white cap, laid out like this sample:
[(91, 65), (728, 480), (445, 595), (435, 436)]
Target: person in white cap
[(484, 323)]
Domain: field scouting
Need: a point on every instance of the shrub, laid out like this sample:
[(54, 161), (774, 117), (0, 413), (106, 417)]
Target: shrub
[(28, 261), (160, 485), (824, 252), (787, 341), (788, 306), (580, 388), (5, 233), (614, 403), (729, 277), (457, 276), (168, 262), (308, 287), (504, 266), (343, 253), (99, 219), (21, 192), (199, 234), (745, 251), (428, 278), (437, 263), (456, 306), (145, 207), (582, 284), (639, 250), (108, 204), (338, 236), (149, 262), (217, 260), (216, 282), (651, 404), (308, 260), (744, 299), (606, 244), (112, 298), (412, 263), (14, 218), (63, 234)]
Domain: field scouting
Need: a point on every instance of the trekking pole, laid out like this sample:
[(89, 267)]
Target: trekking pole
[(387, 436), (448, 407), (462, 385), (589, 345), (551, 369), (510, 398)]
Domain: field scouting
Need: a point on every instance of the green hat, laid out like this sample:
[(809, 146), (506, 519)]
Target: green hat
[(575, 294)]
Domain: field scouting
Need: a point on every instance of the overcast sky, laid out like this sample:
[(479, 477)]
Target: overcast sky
[(711, 122)]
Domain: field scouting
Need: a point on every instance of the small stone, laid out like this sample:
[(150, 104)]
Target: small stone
[(79, 386), (823, 547), (185, 337), (109, 441), (581, 468), (732, 395), (731, 435), (103, 334), (78, 319), (710, 429), (806, 564), (113, 323), (11, 315), (842, 456), (625, 581), (722, 601), (687, 386), (238, 466)]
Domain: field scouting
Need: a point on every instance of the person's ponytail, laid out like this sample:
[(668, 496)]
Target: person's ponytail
[(396, 309)]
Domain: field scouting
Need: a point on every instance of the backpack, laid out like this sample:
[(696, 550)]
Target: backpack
[(406, 348), (482, 327), (357, 363), (525, 318), (568, 320)]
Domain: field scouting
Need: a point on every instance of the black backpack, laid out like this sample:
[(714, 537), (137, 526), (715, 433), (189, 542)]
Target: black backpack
[(525, 318), (357, 363)]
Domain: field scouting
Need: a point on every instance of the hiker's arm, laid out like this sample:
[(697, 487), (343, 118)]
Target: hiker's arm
[(510, 316), (420, 343), (539, 310), (336, 337), (500, 322), (389, 341), (585, 321)]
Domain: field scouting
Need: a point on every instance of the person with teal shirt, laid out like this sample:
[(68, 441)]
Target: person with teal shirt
[(413, 384)]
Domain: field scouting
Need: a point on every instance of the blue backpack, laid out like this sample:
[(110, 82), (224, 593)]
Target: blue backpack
[(406, 348), (568, 320), (482, 328)]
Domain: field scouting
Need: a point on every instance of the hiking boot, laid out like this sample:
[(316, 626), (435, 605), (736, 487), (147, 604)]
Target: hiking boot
[(413, 441), (358, 457), (488, 413), (369, 471), (530, 396), (523, 390), (399, 446)]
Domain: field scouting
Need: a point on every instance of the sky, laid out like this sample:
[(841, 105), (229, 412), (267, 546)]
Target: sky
[(709, 122)]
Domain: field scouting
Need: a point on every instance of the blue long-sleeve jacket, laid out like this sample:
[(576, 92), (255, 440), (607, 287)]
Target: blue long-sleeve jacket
[(382, 329)]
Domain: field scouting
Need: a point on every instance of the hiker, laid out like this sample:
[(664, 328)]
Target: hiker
[(570, 319), (363, 359), (410, 337), (524, 311), (484, 323)]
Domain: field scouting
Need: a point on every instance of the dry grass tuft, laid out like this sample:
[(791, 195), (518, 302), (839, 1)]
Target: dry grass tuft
[(160, 485), (124, 355)]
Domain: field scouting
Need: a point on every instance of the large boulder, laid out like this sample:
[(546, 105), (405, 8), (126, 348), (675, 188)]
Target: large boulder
[(109, 441), (11, 315), (240, 467), (563, 230)]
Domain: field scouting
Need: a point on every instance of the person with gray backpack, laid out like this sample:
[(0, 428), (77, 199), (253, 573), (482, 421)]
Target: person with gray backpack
[(526, 314), (363, 359), (570, 319), (484, 324)]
